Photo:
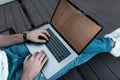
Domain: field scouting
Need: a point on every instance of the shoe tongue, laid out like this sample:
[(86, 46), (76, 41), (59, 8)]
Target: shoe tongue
[(113, 42)]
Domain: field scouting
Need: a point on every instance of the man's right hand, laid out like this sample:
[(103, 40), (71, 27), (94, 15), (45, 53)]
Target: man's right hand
[(33, 65), (35, 34)]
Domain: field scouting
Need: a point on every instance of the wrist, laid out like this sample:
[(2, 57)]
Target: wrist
[(26, 76), (25, 36)]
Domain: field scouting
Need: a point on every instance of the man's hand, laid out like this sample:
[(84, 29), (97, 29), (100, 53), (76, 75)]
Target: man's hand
[(33, 65), (35, 34)]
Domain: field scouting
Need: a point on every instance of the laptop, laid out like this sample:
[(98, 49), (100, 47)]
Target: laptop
[(70, 31)]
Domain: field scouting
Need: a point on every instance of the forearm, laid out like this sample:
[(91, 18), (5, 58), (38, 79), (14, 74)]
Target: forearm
[(7, 40)]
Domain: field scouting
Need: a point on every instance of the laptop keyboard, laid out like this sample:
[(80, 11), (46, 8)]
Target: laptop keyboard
[(59, 51)]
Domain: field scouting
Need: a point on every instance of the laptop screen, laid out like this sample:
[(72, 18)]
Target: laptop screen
[(77, 29)]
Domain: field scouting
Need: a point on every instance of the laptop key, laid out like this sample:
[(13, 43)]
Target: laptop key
[(59, 51)]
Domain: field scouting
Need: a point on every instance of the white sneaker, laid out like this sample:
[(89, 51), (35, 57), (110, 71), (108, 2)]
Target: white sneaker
[(115, 35), (116, 50)]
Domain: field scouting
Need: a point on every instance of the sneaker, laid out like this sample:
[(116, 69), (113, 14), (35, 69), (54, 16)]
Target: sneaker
[(115, 36), (116, 50)]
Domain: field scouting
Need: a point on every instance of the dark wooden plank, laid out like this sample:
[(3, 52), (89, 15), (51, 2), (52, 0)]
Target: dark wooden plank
[(113, 11), (85, 6), (109, 7), (12, 16), (27, 24), (107, 20), (112, 63), (101, 70), (40, 11), (87, 72), (89, 5), (73, 75), (53, 3), (17, 17), (32, 12), (2, 19), (101, 4), (61, 78), (9, 17), (93, 5), (47, 6)]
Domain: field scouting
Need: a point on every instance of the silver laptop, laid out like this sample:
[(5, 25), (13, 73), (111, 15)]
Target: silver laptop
[(70, 31)]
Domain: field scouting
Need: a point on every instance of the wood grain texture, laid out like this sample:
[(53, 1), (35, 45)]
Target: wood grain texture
[(12, 16)]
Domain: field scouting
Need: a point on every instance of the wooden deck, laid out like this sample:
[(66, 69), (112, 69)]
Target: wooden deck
[(40, 11), (23, 15), (12, 16)]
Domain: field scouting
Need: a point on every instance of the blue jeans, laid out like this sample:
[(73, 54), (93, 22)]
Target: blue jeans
[(17, 53)]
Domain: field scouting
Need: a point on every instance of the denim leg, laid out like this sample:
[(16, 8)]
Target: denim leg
[(16, 55), (99, 45)]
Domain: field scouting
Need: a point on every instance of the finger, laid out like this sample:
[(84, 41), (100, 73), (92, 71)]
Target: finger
[(45, 32), (39, 55), (35, 54), (44, 36), (41, 58), (27, 58), (40, 41), (44, 61)]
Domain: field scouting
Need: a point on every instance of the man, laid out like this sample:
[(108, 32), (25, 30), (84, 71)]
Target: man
[(33, 64)]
